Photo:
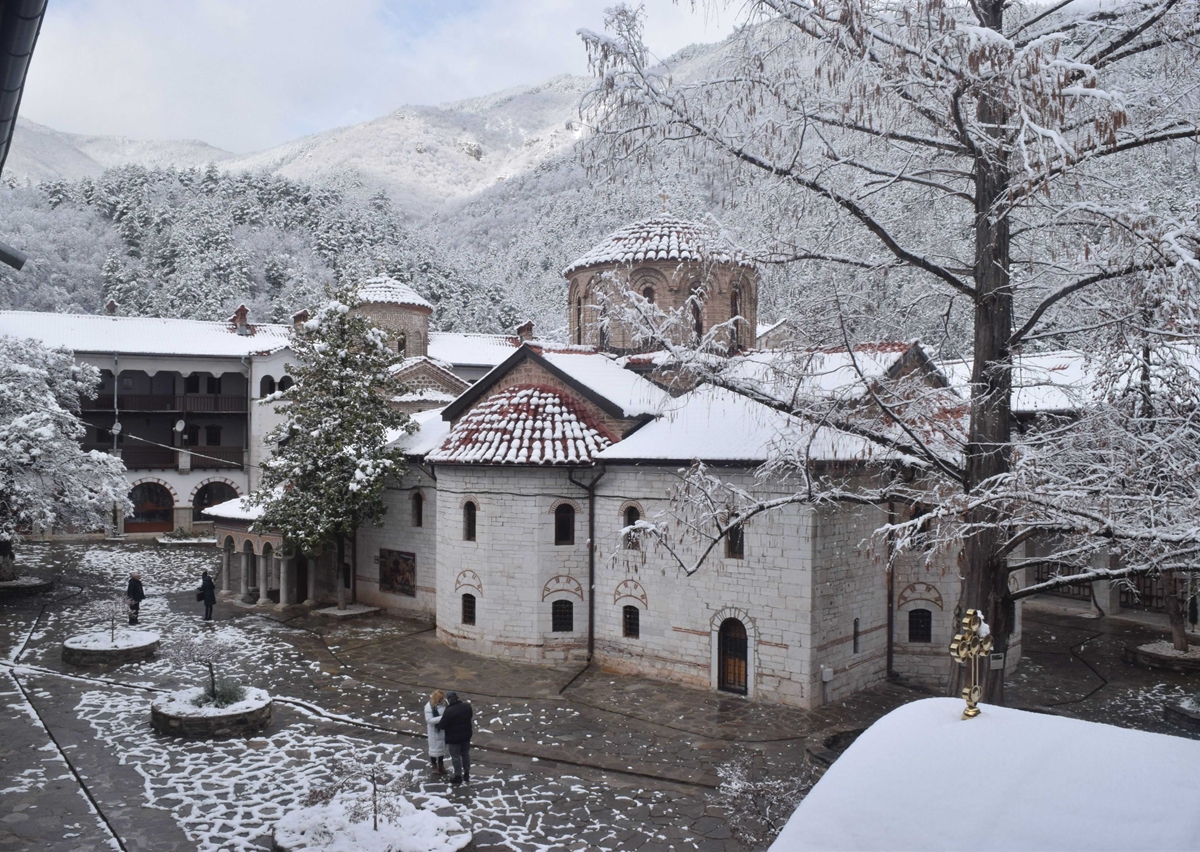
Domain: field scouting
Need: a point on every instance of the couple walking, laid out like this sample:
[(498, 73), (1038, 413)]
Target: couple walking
[(448, 720)]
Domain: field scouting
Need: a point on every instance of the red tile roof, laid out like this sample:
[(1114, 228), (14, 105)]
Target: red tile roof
[(524, 424)]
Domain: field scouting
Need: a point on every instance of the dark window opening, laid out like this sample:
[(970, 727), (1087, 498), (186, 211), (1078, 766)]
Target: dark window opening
[(469, 521), (920, 625), (735, 311), (418, 510), (633, 537), (191, 384), (214, 385), (191, 436), (648, 294), (468, 609), (562, 617), (564, 524), (856, 635), (579, 321), (735, 543), (401, 343), (630, 617), (126, 382), (285, 383), (212, 436), (210, 494), (266, 387)]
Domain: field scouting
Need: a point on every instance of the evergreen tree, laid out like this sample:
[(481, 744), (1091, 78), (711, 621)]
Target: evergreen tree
[(326, 478)]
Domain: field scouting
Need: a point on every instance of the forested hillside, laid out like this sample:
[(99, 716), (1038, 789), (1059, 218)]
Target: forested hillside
[(196, 242)]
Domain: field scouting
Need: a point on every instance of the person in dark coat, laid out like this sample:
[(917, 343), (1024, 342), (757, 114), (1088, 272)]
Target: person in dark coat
[(208, 594), (456, 723), (136, 595)]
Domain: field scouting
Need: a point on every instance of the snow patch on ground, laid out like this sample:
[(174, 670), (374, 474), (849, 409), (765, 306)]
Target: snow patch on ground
[(185, 702), (105, 640), (329, 828), (1166, 649)]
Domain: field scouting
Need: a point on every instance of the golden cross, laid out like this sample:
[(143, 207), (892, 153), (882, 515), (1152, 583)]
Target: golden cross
[(973, 642), (663, 195)]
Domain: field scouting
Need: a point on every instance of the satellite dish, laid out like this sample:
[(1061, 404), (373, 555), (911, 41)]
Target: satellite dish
[(179, 425), (116, 428)]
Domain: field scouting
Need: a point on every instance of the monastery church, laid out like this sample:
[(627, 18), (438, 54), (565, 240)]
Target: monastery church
[(511, 528)]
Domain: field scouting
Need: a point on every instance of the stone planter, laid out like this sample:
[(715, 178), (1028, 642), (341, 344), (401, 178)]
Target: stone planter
[(175, 714), (98, 649), (1149, 659), (1184, 716), (23, 586)]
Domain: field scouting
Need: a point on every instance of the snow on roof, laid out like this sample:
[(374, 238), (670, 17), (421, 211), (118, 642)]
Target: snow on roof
[(143, 335), (475, 350), (715, 424), (788, 375), (663, 238), (763, 327), (237, 509), (431, 431), (924, 778), (524, 424), (633, 394), (426, 395), (388, 291), (1042, 382)]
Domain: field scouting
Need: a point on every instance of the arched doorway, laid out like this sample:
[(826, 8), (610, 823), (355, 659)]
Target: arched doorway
[(210, 494), (153, 509), (731, 656)]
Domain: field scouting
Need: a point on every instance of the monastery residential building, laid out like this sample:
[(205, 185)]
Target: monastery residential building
[(512, 527)]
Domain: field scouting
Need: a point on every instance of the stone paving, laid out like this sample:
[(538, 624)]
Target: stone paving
[(566, 758)]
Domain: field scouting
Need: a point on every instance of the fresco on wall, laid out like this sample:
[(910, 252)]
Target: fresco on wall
[(398, 572)]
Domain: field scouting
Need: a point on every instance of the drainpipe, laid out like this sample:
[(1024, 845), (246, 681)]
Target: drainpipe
[(591, 490), (891, 585)]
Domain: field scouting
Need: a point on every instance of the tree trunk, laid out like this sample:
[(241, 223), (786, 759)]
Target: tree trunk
[(340, 574), (988, 451), (212, 681), (1175, 594), (8, 565)]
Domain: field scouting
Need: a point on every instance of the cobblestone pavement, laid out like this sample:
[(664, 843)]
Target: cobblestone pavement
[(566, 758)]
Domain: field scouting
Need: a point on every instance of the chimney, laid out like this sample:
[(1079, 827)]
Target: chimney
[(111, 308), (525, 331), (298, 319), (241, 320)]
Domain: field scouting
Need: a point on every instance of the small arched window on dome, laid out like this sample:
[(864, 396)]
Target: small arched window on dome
[(648, 294), (632, 538), (735, 311), (579, 321), (697, 310), (401, 342)]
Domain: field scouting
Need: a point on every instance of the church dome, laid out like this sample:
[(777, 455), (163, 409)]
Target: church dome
[(388, 291), (663, 238)]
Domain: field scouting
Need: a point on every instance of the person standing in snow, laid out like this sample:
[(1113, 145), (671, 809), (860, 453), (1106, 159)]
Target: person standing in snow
[(208, 594), (136, 595), (437, 738), (456, 722)]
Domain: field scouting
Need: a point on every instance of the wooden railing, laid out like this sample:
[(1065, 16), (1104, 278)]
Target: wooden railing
[(210, 458), (148, 458), (169, 402)]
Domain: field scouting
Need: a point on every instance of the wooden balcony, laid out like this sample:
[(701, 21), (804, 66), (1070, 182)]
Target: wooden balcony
[(165, 458), (201, 403), (213, 458), (148, 458)]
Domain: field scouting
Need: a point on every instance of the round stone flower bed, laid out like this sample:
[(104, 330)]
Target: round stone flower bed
[(23, 586), (330, 827), (103, 649), (177, 714), (1162, 655), (1185, 715)]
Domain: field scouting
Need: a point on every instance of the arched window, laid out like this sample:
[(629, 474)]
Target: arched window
[(735, 311), (564, 524), (579, 321), (856, 635), (630, 617), (210, 494), (697, 317), (648, 294), (920, 625), (633, 540), (468, 609), (562, 617), (418, 510), (285, 383), (266, 387), (401, 342), (469, 521), (153, 509), (735, 543)]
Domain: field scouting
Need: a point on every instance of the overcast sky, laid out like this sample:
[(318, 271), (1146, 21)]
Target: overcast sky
[(248, 74)]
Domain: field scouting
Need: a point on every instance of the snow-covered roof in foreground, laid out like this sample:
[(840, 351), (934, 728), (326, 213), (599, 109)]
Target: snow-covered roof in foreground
[(430, 432), (1042, 382), (524, 424), (663, 238), (389, 291), (237, 509), (633, 394), (142, 335), (924, 778), (472, 350), (715, 424)]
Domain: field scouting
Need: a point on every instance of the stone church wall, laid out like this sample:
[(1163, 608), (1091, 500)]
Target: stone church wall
[(411, 321), (398, 533)]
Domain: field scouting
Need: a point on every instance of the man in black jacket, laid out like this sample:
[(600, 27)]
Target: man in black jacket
[(136, 595), (456, 722)]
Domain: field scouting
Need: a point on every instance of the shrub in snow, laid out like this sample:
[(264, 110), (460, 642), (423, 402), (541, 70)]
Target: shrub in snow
[(208, 652), (114, 609)]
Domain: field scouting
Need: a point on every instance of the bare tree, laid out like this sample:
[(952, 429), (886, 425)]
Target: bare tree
[(367, 788), (114, 609), (209, 652), (998, 161)]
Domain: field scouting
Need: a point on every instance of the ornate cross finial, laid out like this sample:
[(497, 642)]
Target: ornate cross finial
[(663, 195), (974, 641)]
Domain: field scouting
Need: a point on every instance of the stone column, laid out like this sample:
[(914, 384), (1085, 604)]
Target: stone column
[(311, 600), (264, 580), (286, 582), (244, 585), (1106, 594), (225, 570)]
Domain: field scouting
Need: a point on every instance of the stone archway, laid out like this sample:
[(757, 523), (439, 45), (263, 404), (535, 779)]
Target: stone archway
[(153, 507)]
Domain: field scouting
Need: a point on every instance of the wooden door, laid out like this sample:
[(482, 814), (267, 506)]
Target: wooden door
[(731, 656)]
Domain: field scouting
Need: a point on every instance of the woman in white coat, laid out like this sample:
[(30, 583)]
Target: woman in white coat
[(437, 739)]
